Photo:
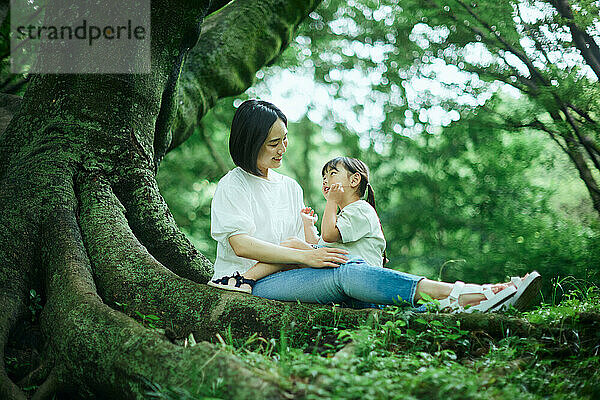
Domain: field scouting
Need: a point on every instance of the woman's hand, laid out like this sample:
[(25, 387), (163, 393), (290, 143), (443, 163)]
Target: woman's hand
[(308, 215), (325, 257), (295, 243)]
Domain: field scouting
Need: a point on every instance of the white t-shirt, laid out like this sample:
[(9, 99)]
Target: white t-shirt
[(361, 233), (266, 209)]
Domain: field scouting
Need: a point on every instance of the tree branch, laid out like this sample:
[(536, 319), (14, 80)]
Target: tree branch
[(583, 113), (507, 46), (583, 41), (586, 142), (241, 38), (538, 44), (539, 125), (528, 82), (584, 172)]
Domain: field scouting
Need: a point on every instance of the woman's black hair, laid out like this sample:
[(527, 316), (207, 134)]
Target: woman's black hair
[(249, 129), (354, 165)]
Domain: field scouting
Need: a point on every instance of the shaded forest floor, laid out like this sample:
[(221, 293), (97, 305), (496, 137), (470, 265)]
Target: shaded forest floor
[(392, 361), (398, 360)]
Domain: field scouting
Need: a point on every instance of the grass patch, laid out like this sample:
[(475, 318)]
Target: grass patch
[(393, 360)]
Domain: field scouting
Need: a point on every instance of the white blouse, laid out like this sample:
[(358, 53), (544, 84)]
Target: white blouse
[(266, 209)]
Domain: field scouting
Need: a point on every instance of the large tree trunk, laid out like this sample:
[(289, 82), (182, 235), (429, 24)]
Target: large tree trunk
[(82, 221)]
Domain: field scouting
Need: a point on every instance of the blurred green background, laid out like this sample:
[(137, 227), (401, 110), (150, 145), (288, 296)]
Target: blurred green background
[(465, 141)]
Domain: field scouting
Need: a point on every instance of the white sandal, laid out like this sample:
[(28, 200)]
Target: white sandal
[(527, 290), (491, 299)]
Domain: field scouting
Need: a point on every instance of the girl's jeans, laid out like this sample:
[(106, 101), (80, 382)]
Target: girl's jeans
[(354, 283)]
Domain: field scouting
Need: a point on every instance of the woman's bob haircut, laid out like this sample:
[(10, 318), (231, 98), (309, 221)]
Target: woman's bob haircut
[(249, 130)]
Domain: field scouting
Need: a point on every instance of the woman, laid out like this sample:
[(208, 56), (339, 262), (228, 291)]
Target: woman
[(255, 208)]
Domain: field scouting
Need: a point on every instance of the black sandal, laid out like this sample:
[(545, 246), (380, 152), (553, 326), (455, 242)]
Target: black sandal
[(235, 285)]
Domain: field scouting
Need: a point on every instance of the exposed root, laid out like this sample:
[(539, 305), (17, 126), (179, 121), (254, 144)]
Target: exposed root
[(155, 227), (120, 355), (13, 294), (8, 390), (126, 273), (37, 376), (48, 388), (12, 307)]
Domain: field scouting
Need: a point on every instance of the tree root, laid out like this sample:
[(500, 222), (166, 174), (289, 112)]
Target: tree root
[(13, 295), (126, 273), (48, 388), (8, 390), (38, 375), (14, 307), (106, 353), (154, 226)]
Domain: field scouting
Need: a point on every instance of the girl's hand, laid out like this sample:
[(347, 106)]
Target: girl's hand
[(325, 257), (309, 216), (336, 193)]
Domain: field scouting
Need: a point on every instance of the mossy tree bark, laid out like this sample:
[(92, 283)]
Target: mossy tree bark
[(82, 221)]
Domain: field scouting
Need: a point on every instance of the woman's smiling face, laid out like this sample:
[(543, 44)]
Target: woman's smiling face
[(271, 151)]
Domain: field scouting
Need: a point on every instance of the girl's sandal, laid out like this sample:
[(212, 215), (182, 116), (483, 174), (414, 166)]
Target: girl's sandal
[(527, 289), (234, 283), (452, 305)]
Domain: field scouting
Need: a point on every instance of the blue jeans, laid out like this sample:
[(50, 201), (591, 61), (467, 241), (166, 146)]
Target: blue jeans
[(354, 283)]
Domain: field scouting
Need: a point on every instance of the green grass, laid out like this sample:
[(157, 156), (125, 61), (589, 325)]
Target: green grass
[(392, 361)]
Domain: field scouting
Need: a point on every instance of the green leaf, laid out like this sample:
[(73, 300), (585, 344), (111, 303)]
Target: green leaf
[(426, 297)]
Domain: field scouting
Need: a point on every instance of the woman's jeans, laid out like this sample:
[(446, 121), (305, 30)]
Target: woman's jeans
[(352, 281)]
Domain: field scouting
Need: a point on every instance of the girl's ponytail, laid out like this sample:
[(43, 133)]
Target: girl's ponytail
[(371, 201), (370, 195)]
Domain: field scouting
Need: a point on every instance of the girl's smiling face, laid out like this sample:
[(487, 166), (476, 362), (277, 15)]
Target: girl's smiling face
[(337, 174), (271, 152)]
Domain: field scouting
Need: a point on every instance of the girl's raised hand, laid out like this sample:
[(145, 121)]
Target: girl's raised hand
[(325, 257), (336, 193), (308, 215)]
